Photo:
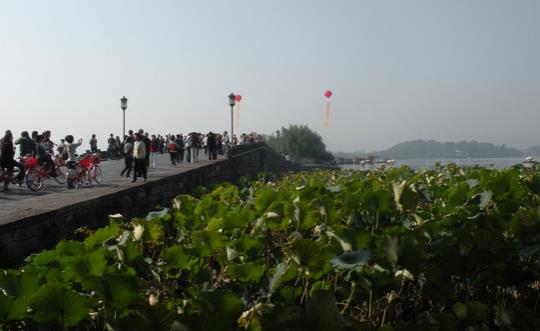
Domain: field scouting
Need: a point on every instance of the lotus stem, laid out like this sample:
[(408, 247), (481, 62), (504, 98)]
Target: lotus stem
[(375, 227), (349, 299), (376, 220), (401, 286), (384, 315), (370, 302), (305, 292)]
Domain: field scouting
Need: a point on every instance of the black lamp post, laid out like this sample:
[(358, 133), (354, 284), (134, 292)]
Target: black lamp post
[(123, 105), (232, 102)]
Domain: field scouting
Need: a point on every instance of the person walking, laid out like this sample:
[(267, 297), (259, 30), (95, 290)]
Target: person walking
[(173, 150), (195, 145), (154, 149), (188, 148), (128, 157), (7, 156), (204, 140), (111, 142), (146, 141), (180, 143), (219, 144), (118, 147), (211, 145), (227, 141), (139, 157), (93, 144), (161, 144)]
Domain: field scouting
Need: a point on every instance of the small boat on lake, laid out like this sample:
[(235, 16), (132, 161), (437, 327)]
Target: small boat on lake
[(529, 160)]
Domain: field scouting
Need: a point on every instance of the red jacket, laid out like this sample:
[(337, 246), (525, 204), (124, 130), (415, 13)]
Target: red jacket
[(153, 146)]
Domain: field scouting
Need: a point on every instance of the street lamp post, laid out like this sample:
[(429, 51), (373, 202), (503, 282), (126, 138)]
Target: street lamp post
[(232, 102), (123, 105)]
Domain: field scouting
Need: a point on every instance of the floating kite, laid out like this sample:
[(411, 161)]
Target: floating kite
[(238, 98), (327, 94)]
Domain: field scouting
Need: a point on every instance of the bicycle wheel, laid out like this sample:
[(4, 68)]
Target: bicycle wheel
[(33, 180), (71, 179), (61, 174), (87, 177), (4, 181), (97, 175)]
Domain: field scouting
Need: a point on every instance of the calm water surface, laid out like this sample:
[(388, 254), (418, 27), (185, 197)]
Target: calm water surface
[(493, 163)]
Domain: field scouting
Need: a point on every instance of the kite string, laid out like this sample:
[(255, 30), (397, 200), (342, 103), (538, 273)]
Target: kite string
[(327, 114), (238, 115)]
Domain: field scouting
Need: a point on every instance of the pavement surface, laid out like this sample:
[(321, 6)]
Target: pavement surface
[(20, 202)]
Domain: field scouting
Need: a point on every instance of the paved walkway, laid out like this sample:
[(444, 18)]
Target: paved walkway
[(20, 202)]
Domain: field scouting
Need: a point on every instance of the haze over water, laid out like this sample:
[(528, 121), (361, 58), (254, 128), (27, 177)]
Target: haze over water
[(444, 70)]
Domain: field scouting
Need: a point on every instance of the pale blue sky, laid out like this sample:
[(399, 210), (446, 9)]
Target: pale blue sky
[(400, 70)]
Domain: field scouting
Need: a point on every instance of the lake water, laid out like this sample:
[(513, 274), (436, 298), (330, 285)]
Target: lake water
[(492, 163)]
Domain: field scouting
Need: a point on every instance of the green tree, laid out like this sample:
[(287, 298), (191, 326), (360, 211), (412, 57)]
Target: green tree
[(299, 142)]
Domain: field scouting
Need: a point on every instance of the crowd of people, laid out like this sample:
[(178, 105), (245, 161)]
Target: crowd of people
[(39, 145), (138, 149)]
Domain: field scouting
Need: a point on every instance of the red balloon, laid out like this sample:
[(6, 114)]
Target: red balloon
[(328, 93), (238, 97)]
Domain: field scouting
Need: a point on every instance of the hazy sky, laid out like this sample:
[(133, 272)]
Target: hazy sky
[(400, 70)]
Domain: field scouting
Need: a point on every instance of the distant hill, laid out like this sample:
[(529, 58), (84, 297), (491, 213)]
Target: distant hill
[(533, 150), (421, 149)]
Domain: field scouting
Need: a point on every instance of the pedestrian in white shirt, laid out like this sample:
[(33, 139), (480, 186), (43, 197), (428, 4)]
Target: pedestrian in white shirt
[(139, 158)]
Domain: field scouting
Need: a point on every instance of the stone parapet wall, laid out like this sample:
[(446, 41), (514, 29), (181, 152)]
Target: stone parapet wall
[(43, 231)]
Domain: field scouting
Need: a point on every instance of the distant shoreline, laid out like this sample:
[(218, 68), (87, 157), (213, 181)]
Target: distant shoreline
[(446, 158), (492, 163)]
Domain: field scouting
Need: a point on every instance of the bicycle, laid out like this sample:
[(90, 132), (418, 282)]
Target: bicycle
[(95, 169), (8, 177), (80, 173), (36, 174)]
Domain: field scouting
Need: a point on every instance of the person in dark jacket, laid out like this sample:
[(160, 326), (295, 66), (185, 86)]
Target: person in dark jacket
[(7, 156), (27, 145), (43, 155), (211, 144), (180, 143), (128, 156), (93, 144), (146, 141), (34, 136)]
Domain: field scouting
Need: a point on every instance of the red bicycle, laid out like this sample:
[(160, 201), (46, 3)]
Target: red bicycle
[(36, 174), (8, 177), (95, 169), (85, 171)]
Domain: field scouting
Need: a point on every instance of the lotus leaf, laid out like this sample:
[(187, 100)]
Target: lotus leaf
[(54, 303), (247, 272), (388, 249), (307, 254)]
